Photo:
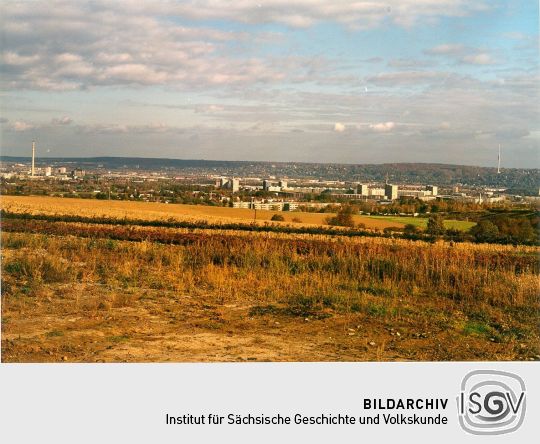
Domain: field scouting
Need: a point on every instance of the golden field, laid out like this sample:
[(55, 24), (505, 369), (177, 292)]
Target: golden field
[(157, 211)]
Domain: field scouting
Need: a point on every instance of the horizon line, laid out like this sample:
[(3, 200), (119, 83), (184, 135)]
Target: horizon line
[(266, 161)]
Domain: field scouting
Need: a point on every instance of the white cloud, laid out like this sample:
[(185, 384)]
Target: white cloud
[(14, 59), (462, 54), (339, 127), (407, 77), (21, 126), (62, 120), (408, 63), (65, 45), (478, 59), (303, 13), (383, 127), (446, 49), (515, 35), (211, 108)]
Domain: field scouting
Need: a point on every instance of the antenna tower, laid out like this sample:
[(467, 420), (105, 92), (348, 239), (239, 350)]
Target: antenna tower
[(33, 171)]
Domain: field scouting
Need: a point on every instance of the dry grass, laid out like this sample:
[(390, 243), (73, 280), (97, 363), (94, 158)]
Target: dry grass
[(266, 297)]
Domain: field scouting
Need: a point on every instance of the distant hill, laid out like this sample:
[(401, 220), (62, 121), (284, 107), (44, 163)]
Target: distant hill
[(519, 180)]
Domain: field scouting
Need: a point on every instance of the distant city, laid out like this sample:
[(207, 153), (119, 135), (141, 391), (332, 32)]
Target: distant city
[(264, 185)]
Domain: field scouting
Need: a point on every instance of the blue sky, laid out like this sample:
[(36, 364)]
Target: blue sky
[(298, 80)]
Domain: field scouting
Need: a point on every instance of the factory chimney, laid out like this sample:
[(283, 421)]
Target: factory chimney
[(33, 158), (499, 161)]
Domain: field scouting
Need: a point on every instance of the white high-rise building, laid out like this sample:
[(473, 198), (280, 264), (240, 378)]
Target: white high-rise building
[(433, 188), (235, 185), (391, 191), (363, 189)]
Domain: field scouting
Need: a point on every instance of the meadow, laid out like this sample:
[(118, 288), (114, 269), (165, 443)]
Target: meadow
[(421, 222), (84, 292)]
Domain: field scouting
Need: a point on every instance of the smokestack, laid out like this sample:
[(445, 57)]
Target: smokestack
[(499, 161), (33, 157)]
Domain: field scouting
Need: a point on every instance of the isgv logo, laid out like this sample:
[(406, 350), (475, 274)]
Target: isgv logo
[(491, 402)]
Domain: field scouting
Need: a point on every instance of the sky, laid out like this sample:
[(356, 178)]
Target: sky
[(362, 81)]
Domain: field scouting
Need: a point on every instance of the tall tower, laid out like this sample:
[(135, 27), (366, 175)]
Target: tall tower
[(499, 161), (33, 158)]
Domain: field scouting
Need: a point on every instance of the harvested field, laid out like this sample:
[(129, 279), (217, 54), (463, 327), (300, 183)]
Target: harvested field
[(159, 211)]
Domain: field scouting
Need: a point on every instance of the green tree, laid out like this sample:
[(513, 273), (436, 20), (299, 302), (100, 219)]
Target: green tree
[(435, 225), (344, 217), (485, 231), (410, 229), (525, 231)]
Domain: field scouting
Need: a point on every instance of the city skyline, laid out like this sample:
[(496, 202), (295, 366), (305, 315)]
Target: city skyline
[(299, 81)]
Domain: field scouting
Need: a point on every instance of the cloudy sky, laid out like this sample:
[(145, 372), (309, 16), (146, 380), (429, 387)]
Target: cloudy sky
[(362, 81)]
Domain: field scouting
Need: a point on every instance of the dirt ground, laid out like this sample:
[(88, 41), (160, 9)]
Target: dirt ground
[(82, 324)]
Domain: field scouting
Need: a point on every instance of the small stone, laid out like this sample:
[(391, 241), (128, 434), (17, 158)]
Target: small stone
[(398, 333), (277, 323), (372, 343), (351, 329), (351, 333), (522, 346), (492, 339), (64, 358), (306, 319)]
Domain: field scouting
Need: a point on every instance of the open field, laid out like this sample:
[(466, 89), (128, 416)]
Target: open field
[(157, 211), (160, 211), (169, 294), (421, 222)]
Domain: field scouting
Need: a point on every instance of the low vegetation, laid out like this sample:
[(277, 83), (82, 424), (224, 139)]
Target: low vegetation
[(113, 293), (102, 288)]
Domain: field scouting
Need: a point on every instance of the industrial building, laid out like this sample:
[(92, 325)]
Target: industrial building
[(271, 206), (272, 187), (363, 190), (376, 192), (391, 191), (226, 183)]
